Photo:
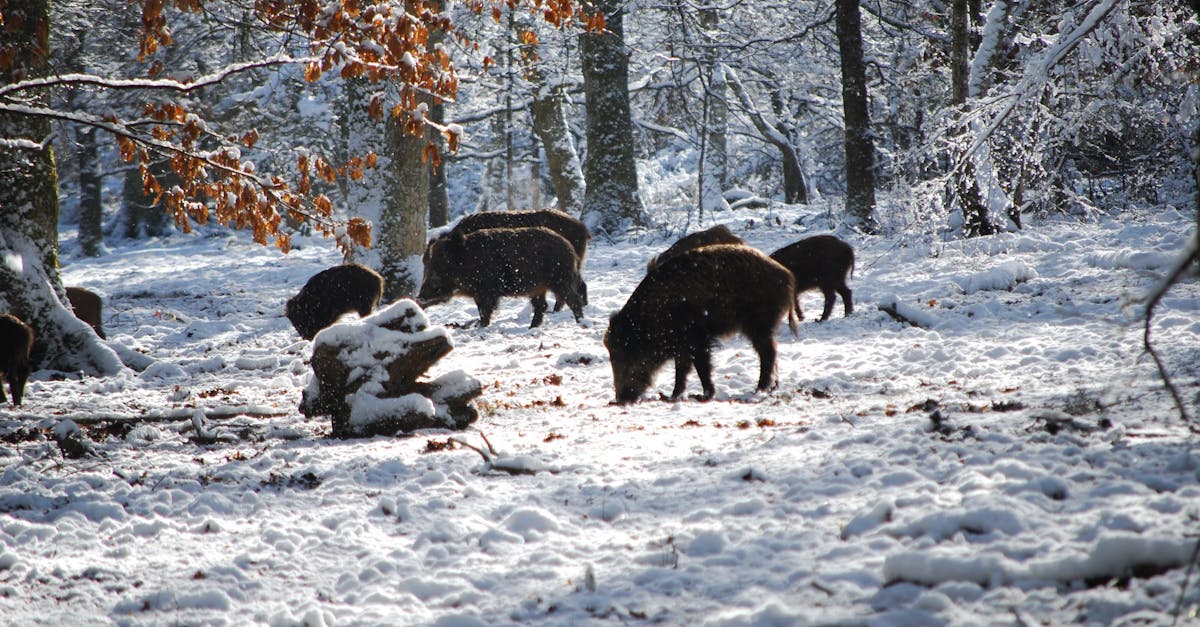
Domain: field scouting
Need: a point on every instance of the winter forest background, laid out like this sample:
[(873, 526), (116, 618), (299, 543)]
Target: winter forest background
[(977, 113), (938, 136)]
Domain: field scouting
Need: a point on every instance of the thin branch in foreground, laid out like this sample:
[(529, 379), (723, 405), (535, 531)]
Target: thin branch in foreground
[(1186, 578), (1190, 256)]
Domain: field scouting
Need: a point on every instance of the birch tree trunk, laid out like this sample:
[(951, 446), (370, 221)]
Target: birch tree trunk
[(611, 200), (30, 283)]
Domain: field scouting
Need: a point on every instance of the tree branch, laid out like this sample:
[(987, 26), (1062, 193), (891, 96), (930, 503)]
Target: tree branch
[(1038, 74), (1190, 255), (170, 84), (162, 147)]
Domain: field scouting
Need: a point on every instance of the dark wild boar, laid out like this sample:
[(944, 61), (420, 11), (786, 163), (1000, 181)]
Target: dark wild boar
[(491, 263), (87, 307), (16, 339), (821, 261), (331, 293), (562, 223), (684, 305), (719, 234)]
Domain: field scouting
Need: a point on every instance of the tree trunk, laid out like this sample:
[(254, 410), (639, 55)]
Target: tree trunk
[(1196, 155), (714, 168), (492, 185), (960, 51), (562, 161), (860, 150), (795, 189), (30, 284), (91, 213), (611, 200), (400, 235), (439, 195), (976, 217), (143, 217)]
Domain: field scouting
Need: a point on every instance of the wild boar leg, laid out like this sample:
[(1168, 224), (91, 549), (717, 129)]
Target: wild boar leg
[(702, 358), (847, 299), (539, 309), (828, 293), (764, 345), (683, 365), (486, 304)]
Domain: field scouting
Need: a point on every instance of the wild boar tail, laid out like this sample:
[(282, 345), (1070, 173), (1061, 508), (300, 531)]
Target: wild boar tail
[(793, 306)]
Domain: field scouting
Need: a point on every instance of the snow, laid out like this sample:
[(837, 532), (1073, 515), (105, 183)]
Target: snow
[(1014, 458)]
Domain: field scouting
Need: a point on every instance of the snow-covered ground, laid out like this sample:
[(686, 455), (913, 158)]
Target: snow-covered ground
[(1013, 460)]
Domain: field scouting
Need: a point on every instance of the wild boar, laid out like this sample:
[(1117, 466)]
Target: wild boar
[(87, 307), (821, 261), (685, 304), (331, 293), (16, 340), (490, 263), (719, 234), (560, 222)]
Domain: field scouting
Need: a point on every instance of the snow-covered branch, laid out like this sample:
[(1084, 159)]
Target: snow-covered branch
[(1038, 71), (170, 84)]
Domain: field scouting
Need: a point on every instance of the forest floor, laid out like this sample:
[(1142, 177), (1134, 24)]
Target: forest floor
[(1012, 458)]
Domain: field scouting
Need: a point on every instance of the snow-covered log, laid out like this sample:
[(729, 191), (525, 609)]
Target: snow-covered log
[(365, 376)]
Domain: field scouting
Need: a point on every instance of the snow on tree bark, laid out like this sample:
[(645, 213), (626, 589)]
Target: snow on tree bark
[(30, 284), (965, 184), (714, 169), (550, 125), (794, 186), (393, 198), (403, 225)]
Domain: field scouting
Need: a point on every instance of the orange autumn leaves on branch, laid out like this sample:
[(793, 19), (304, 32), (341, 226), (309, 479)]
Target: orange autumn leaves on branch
[(381, 41)]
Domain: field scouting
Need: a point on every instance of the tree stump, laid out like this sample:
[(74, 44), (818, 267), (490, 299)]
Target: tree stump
[(365, 376)]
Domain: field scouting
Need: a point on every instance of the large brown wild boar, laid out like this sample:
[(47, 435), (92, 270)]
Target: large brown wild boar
[(87, 307), (684, 305), (490, 263), (16, 339), (562, 223), (719, 234), (331, 293), (821, 261)]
